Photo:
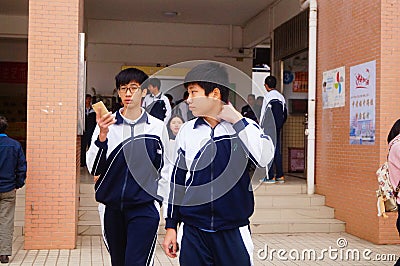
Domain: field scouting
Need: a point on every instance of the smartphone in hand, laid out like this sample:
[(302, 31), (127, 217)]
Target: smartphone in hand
[(100, 108)]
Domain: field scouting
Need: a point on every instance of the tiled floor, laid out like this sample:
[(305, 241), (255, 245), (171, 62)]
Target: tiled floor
[(90, 250)]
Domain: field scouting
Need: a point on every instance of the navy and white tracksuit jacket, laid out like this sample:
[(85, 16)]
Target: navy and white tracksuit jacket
[(210, 186), (132, 180), (135, 153)]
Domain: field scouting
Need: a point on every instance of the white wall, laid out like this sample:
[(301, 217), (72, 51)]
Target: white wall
[(112, 44)]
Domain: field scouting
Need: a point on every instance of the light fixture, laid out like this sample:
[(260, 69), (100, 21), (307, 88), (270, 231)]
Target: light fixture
[(170, 14)]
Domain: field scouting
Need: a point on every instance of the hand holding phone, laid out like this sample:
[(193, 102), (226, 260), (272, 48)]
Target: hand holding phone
[(100, 108), (104, 119)]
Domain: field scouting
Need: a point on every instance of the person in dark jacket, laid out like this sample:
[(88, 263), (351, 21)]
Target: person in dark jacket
[(274, 103), (90, 124), (210, 192), (12, 177), (248, 110)]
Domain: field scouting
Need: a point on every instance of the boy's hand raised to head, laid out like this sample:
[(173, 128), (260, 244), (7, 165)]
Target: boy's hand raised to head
[(104, 122), (229, 114)]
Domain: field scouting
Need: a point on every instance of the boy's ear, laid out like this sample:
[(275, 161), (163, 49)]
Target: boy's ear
[(216, 93), (144, 92)]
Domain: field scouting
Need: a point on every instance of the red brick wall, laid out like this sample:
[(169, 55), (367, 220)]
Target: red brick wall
[(351, 33), (51, 190)]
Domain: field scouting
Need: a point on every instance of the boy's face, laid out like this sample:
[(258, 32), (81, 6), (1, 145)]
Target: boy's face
[(153, 90), (202, 105), (131, 94)]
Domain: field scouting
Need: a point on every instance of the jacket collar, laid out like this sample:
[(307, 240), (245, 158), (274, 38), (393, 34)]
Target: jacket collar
[(142, 119)]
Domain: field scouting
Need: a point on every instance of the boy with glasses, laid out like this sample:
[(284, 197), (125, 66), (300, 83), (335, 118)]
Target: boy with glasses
[(128, 153)]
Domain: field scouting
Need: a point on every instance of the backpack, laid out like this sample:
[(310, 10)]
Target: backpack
[(386, 194), (157, 109)]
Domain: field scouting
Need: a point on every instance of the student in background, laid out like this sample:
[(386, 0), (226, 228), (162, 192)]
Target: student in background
[(156, 103), (248, 110), (274, 102), (90, 124), (173, 126), (182, 108)]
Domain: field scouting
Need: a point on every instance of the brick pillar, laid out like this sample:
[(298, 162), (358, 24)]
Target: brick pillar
[(51, 189)]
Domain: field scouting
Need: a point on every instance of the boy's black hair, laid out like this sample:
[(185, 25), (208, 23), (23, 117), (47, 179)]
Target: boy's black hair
[(169, 96), (88, 96), (128, 75), (155, 82), (3, 124), (394, 131), (209, 76), (270, 81)]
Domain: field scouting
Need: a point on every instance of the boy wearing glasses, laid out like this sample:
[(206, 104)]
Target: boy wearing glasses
[(128, 153), (210, 186)]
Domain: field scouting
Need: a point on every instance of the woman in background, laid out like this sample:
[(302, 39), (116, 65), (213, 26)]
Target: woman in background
[(173, 126)]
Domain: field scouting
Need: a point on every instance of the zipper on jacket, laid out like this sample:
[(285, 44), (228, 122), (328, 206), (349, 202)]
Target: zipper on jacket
[(212, 178), (123, 188), (126, 172)]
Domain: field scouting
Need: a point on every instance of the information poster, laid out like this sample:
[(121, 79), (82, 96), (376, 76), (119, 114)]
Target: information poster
[(333, 88), (362, 103)]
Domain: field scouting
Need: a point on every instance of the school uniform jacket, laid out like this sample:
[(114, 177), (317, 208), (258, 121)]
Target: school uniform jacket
[(130, 162), (210, 186), (274, 101)]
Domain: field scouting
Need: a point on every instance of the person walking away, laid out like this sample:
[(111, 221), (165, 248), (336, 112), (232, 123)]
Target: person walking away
[(12, 177), (274, 102)]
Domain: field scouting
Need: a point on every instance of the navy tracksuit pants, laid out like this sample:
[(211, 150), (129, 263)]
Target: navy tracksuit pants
[(131, 234), (225, 247)]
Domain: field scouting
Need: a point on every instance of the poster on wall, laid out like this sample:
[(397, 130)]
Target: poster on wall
[(362, 103), (333, 88), (300, 83)]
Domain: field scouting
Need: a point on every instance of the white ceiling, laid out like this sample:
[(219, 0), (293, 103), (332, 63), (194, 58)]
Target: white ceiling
[(223, 12), (220, 12)]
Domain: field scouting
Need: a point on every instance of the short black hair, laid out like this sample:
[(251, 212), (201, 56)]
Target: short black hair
[(3, 124), (155, 82), (130, 74), (88, 96), (209, 76), (252, 95), (169, 96), (270, 81), (394, 131)]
